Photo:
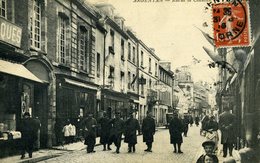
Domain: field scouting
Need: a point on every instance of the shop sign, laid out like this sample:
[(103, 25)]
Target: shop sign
[(10, 33)]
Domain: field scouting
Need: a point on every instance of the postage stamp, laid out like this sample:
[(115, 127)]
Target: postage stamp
[(231, 24)]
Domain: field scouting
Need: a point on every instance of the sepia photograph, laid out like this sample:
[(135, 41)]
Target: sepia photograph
[(129, 81)]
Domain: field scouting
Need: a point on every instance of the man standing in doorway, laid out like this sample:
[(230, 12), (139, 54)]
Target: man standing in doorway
[(148, 130), (89, 124), (227, 127)]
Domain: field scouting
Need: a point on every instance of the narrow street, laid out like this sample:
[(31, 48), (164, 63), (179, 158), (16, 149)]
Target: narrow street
[(162, 151)]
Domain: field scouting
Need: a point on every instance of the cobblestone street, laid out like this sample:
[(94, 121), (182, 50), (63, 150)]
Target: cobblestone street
[(162, 151)]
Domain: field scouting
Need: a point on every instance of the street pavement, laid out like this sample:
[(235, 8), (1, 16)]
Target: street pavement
[(162, 151)]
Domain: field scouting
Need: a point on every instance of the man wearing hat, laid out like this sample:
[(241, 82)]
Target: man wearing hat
[(116, 131), (148, 130), (29, 134), (89, 124), (208, 146), (131, 125), (105, 131), (176, 129)]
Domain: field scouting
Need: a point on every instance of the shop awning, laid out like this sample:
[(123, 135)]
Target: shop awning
[(17, 70), (80, 84)]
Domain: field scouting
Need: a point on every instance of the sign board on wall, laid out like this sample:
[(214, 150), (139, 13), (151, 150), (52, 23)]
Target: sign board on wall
[(10, 33)]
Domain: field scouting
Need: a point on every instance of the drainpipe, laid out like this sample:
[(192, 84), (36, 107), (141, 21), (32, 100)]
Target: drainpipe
[(104, 53)]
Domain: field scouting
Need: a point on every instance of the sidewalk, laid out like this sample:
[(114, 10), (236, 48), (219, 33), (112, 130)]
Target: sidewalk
[(55, 151)]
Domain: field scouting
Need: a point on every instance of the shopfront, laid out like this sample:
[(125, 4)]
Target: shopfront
[(113, 102), (17, 96), (75, 100)]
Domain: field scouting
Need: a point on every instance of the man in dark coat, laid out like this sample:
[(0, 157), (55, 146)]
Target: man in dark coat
[(131, 125), (89, 125), (176, 129), (186, 122), (37, 123), (227, 127), (29, 134), (117, 131), (105, 131), (148, 130)]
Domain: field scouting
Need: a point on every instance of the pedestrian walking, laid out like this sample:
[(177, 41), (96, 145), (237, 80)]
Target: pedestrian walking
[(117, 131), (227, 127), (212, 131), (29, 134), (204, 121), (72, 133), (148, 130), (89, 125), (191, 120), (37, 124), (186, 123), (209, 155), (106, 126), (131, 126), (176, 129), (197, 120)]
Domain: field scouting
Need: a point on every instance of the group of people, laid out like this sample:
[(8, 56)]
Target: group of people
[(113, 129), (227, 126)]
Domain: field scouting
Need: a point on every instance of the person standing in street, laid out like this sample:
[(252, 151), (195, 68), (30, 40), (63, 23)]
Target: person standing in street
[(148, 130), (176, 129), (105, 131), (89, 125), (186, 122), (227, 127), (37, 123), (29, 134), (117, 131), (212, 131), (131, 126)]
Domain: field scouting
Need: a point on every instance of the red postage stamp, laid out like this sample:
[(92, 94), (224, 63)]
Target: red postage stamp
[(231, 24)]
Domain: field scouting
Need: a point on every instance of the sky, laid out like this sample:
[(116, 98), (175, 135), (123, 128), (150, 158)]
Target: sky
[(169, 28)]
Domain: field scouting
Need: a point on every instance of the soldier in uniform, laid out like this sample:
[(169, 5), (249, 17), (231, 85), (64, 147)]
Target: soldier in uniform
[(148, 130), (131, 125), (117, 131), (227, 123), (89, 125)]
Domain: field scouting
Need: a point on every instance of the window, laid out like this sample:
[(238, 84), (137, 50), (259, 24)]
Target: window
[(142, 58), (133, 83), (156, 65), (142, 87), (98, 65), (150, 64), (129, 80), (129, 51), (83, 49), (35, 24), (111, 76), (3, 8), (112, 34), (133, 54), (122, 49), (61, 48), (122, 76), (150, 83)]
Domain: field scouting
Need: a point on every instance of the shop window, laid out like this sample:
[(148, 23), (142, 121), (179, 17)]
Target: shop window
[(35, 24), (3, 8)]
